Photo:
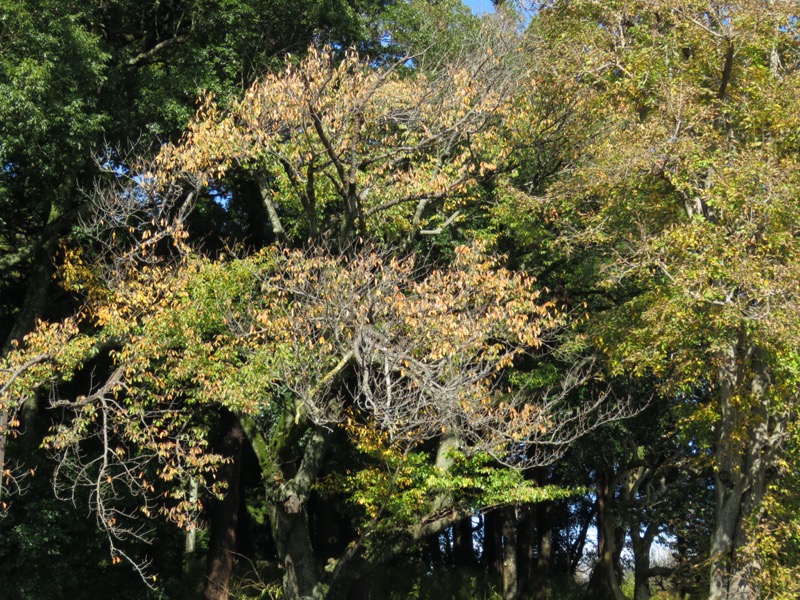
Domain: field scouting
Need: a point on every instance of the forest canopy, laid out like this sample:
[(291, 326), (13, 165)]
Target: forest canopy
[(301, 297)]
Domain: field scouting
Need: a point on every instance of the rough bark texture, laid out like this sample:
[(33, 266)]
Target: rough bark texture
[(226, 515), (747, 440), (289, 519)]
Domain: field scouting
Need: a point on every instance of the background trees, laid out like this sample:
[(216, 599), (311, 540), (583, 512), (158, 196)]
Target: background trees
[(686, 198)]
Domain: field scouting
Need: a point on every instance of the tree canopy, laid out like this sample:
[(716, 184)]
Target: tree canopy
[(336, 290)]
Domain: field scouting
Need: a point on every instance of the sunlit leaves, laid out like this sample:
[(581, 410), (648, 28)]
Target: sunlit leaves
[(345, 147), (689, 191)]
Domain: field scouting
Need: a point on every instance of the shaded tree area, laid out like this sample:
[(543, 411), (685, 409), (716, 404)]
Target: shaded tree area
[(388, 300)]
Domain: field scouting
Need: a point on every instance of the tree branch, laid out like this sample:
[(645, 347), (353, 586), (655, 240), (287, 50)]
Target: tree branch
[(161, 46)]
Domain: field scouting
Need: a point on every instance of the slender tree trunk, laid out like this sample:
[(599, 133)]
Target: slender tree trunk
[(3, 430), (266, 196), (544, 518), (578, 548), (190, 540), (463, 548), (603, 583), (226, 515), (526, 541), (508, 519)]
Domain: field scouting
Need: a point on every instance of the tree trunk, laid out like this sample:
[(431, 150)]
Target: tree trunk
[(544, 518), (492, 542), (226, 515), (526, 541), (33, 307), (604, 582), (434, 550), (289, 519), (190, 540), (747, 440), (641, 544), (508, 519), (360, 589), (463, 548)]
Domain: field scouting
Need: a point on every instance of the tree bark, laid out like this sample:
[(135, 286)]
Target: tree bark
[(544, 518), (492, 542), (641, 544), (747, 440), (33, 308), (526, 542), (289, 519), (463, 549), (226, 515), (604, 582), (508, 528)]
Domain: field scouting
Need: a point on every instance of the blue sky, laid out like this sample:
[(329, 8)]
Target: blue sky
[(479, 6)]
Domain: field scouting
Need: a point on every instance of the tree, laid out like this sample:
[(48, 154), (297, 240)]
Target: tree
[(81, 81), (405, 360), (687, 200)]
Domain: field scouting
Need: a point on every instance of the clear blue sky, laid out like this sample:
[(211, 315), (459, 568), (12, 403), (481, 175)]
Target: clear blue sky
[(479, 6)]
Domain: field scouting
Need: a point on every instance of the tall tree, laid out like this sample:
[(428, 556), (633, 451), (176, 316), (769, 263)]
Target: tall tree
[(79, 80), (306, 345), (688, 201)]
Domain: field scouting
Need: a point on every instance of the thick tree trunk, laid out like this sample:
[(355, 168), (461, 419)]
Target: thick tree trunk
[(744, 452), (226, 515), (508, 519), (33, 307), (434, 550), (289, 519), (492, 542), (604, 582), (641, 544), (360, 589)]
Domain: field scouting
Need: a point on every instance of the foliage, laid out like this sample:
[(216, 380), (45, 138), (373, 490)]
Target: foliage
[(395, 489), (237, 333), (774, 539), (332, 257), (685, 166), (684, 209), (456, 584), (345, 148)]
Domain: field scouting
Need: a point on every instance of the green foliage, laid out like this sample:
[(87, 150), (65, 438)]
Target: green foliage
[(435, 33), (775, 541), (395, 489), (640, 156)]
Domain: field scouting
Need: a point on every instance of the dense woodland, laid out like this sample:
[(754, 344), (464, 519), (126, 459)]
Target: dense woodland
[(382, 299)]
